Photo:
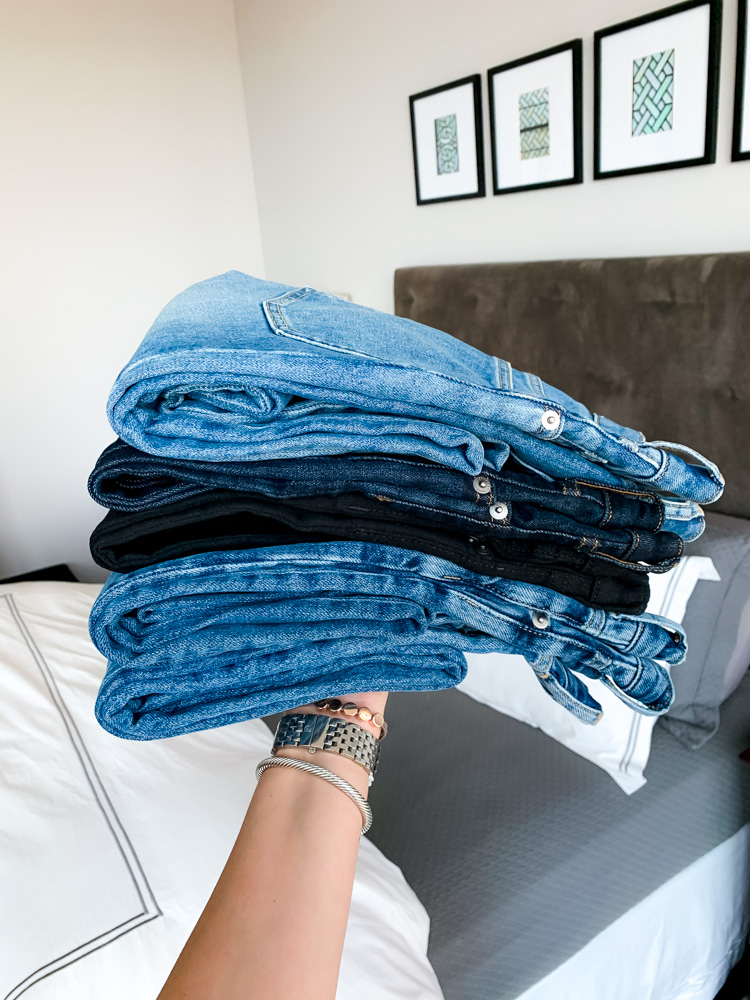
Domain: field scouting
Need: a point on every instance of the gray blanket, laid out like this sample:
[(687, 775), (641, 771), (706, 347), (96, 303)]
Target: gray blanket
[(520, 850)]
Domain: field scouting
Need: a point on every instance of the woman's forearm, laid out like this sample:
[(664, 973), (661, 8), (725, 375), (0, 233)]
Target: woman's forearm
[(276, 920)]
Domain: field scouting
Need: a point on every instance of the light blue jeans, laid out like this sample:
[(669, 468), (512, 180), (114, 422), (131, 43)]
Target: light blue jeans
[(219, 637), (238, 369)]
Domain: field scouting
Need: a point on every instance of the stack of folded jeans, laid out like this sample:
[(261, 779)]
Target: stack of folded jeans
[(309, 497)]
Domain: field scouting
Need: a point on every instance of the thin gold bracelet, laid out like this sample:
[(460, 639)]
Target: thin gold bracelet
[(351, 710)]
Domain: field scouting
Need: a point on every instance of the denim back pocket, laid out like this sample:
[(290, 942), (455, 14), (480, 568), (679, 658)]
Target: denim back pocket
[(317, 318)]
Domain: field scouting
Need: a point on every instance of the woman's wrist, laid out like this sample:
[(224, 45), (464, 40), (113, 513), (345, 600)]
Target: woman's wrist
[(345, 767)]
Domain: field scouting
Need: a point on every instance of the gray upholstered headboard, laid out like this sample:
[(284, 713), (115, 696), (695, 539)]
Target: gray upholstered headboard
[(661, 344)]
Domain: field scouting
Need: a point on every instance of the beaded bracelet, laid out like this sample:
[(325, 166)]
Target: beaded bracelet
[(350, 709)]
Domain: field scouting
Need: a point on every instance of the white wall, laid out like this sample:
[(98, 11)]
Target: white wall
[(125, 175), (327, 86)]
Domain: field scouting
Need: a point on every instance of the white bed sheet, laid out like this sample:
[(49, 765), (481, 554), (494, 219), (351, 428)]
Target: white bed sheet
[(111, 848), (678, 943)]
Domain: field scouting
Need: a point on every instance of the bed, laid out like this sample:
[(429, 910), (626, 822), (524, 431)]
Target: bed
[(543, 881), (541, 878)]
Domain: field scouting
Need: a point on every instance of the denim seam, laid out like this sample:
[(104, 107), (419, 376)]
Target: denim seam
[(593, 456), (536, 384), (397, 461), (607, 488), (640, 628), (497, 526), (579, 710), (505, 377), (632, 702), (550, 491)]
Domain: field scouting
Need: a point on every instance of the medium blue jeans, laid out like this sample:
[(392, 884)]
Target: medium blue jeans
[(637, 529), (219, 637), (236, 369)]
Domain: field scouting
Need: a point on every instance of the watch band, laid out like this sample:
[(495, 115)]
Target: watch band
[(321, 732)]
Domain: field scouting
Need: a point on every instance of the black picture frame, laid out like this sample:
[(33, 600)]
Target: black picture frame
[(740, 92), (476, 80), (712, 88), (576, 47)]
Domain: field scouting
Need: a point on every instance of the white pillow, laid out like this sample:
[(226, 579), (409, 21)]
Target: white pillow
[(620, 743), (111, 848)]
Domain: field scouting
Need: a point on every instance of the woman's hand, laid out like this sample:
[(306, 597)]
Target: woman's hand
[(277, 916)]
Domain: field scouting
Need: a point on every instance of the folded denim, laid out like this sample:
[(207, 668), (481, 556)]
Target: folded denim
[(219, 637), (234, 521), (637, 530), (235, 368)]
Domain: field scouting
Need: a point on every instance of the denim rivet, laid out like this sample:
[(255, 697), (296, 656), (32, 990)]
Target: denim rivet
[(550, 420), (540, 620), (482, 484), (499, 511)]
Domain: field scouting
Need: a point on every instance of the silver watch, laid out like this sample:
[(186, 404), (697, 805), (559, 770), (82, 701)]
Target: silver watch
[(321, 732)]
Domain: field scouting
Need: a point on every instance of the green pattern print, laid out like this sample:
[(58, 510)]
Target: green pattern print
[(446, 143), (533, 113), (653, 93)]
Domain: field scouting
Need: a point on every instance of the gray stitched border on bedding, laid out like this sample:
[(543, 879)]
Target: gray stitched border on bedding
[(522, 851)]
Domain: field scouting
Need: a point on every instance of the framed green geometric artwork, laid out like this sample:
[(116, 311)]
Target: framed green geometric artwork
[(536, 121), (446, 135), (741, 130), (656, 90)]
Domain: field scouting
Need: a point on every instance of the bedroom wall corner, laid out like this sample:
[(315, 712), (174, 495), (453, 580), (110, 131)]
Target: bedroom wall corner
[(126, 176), (327, 87)]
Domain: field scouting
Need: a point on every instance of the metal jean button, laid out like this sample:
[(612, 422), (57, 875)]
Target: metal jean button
[(550, 420), (478, 544), (499, 511), (540, 620), (482, 484)]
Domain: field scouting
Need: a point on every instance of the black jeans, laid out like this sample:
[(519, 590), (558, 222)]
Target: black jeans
[(227, 519)]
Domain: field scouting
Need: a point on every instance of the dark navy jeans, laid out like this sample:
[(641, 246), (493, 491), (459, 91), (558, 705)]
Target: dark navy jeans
[(224, 636), (631, 528)]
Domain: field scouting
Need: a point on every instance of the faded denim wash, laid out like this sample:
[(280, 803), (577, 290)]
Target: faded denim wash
[(237, 369), (220, 637)]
